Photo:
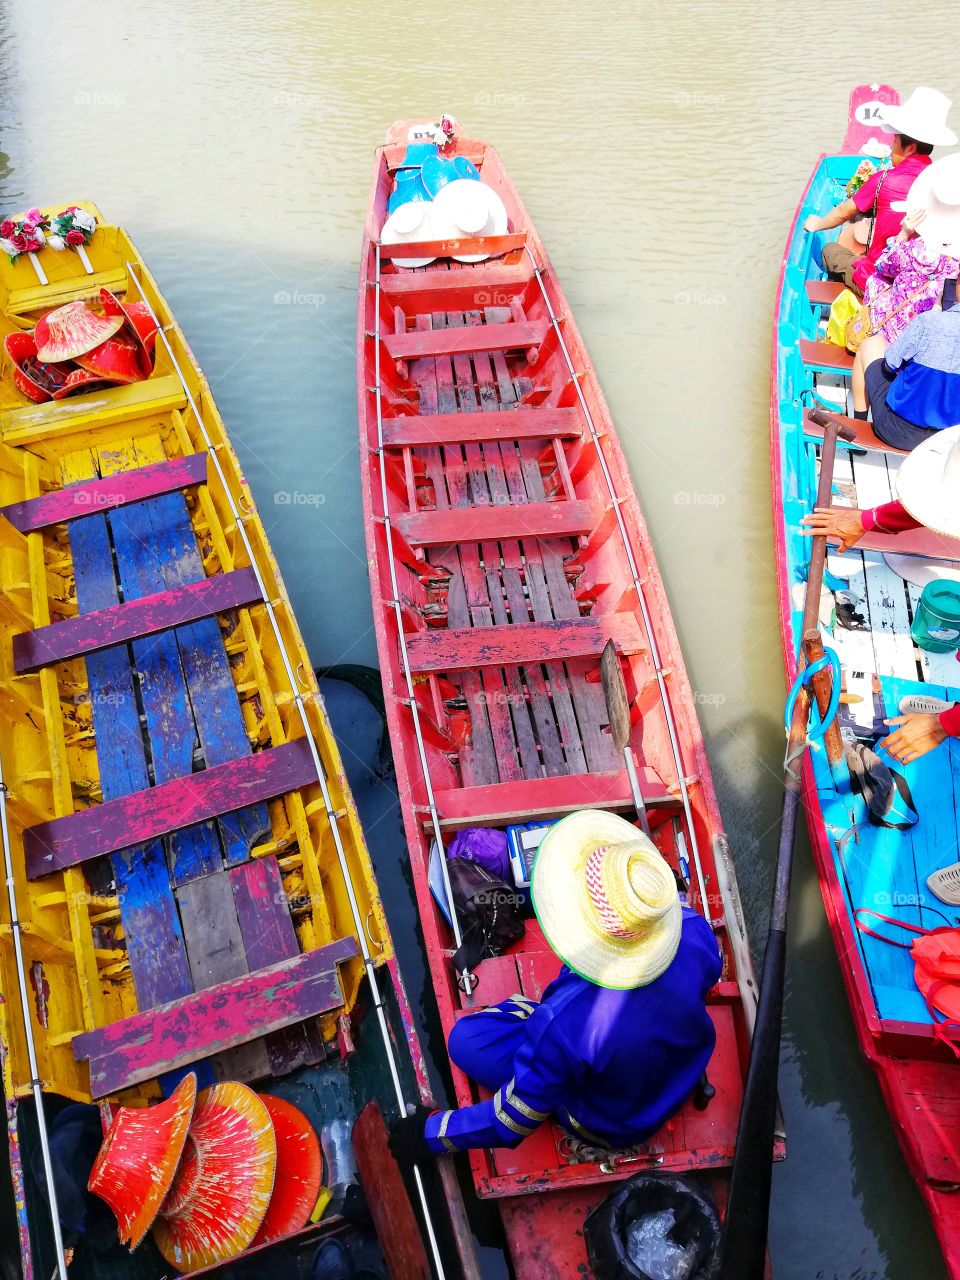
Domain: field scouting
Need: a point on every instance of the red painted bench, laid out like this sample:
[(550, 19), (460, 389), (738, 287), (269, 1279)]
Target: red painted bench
[(104, 628), (468, 428), (490, 523), (145, 815), (454, 649), (113, 491), (863, 437), (824, 293), (825, 355), (493, 245), (466, 340), (176, 1034), (913, 542)]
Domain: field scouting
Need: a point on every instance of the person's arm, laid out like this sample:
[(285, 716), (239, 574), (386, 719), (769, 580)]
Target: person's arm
[(541, 1081), (889, 517), (847, 525), (841, 213)]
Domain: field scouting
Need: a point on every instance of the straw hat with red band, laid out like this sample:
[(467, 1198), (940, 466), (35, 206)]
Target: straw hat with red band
[(299, 1171), (606, 900), (136, 1164), (116, 360), (72, 330), (139, 323), (222, 1189)]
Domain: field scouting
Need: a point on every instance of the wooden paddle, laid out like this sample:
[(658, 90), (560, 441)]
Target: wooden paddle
[(748, 1206), (618, 715)]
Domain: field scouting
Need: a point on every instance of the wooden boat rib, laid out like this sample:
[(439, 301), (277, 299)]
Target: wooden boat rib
[(188, 882), (506, 548), (859, 865)]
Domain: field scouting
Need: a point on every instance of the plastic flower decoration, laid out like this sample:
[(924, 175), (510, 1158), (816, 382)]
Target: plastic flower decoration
[(864, 171), (23, 234), (71, 228), (440, 131)]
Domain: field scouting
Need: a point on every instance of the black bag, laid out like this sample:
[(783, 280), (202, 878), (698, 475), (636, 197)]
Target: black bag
[(885, 791), (607, 1228), (488, 911)]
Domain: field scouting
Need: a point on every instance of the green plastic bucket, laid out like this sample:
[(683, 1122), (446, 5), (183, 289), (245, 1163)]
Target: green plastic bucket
[(936, 623)]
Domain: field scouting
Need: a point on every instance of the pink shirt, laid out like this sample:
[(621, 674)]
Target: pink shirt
[(893, 185)]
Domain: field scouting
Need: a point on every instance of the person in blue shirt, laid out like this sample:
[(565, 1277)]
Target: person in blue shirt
[(620, 1038)]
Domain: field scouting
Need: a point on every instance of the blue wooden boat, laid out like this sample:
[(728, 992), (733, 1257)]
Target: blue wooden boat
[(862, 865)]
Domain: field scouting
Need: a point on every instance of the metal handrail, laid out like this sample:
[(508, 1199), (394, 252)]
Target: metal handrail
[(638, 586), (299, 700), (466, 978)]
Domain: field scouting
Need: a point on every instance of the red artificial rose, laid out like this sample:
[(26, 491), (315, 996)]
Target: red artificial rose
[(75, 237), (29, 228), (6, 228), (20, 243), (34, 246)]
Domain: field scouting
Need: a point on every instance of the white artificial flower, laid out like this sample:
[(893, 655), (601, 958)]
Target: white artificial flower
[(56, 242), (85, 221), (9, 248)]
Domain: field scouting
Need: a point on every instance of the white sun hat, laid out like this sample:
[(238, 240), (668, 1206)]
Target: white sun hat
[(928, 482), (606, 900), (466, 207), (922, 117), (409, 224), (937, 192)]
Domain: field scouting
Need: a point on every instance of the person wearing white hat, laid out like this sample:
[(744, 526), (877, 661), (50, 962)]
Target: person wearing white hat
[(916, 127), (621, 1038), (928, 495)]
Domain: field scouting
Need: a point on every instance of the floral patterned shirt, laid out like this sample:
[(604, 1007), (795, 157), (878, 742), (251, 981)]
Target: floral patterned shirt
[(910, 277)]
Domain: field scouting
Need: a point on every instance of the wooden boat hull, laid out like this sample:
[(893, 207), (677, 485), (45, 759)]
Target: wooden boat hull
[(191, 886), (882, 870), (492, 482)]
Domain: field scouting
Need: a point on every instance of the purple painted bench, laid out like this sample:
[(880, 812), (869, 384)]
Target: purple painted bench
[(114, 491), (177, 1034), (90, 632), (146, 815)]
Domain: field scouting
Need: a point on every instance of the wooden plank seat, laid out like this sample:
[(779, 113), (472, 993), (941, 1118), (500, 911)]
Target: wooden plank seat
[(83, 499), (91, 632), (863, 437), (471, 428), (450, 526), (453, 649), (913, 542), (233, 1013), (466, 340), (70, 288), (823, 293), (825, 355), (157, 811), (546, 797), (495, 246), (33, 423), (489, 284)]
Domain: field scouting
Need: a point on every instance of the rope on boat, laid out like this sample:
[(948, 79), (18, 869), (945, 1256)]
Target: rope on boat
[(299, 701), (638, 587), (816, 727)]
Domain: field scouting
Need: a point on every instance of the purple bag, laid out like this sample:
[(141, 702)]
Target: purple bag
[(486, 846)]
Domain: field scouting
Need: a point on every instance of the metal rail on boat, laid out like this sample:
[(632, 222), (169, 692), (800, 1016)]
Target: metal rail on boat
[(240, 516), (635, 574)]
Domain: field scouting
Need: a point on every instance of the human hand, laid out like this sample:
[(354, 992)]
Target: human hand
[(842, 523), (407, 1137), (811, 222), (908, 227), (917, 734)]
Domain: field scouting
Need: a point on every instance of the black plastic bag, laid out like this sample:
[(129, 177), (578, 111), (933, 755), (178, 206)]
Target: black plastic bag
[(488, 911), (607, 1228)]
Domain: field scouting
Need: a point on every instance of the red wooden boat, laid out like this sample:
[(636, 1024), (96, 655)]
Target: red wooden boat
[(859, 865), (506, 548)]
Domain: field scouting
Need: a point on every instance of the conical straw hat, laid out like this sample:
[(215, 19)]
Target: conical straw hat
[(299, 1168), (928, 482), (72, 330)]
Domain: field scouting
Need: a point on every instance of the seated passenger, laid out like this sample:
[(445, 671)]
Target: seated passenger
[(909, 278), (917, 126), (928, 495), (620, 1038)]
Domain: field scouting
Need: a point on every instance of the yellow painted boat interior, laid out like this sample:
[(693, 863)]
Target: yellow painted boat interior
[(75, 948)]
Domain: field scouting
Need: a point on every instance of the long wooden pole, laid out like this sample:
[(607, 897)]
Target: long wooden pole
[(748, 1207)]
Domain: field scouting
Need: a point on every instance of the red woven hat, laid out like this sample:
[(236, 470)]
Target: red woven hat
[(222, 1189), (299, 1169), (77, 380), (135, 1166), (21, 348), (139, 323), (116, 360), (72, 330)]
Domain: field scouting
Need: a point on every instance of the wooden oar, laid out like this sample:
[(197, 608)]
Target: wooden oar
[(618, 715), (748, 1206)]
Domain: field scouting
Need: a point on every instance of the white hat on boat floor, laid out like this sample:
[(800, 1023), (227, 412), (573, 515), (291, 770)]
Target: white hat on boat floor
[(928, 482), (409, 224), (606, 900), (466, 207), (937, 191), (922, 117)]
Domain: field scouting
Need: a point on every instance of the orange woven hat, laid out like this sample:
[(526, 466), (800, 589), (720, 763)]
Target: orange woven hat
[(299, 1169), (134, 1168), (72, 330), (223, 1186)]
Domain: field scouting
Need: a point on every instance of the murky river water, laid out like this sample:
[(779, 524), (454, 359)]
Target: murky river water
[(661, 149)]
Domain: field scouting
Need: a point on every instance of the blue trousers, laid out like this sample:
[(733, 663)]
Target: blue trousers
[(484, 1044)]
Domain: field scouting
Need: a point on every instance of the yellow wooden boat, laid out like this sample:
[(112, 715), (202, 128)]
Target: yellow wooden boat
[(189, 887)]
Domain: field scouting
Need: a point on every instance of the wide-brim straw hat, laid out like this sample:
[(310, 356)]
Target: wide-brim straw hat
[(409, 224), (135, 1166), (928, 482), (72, 330), (937, 192), (467, 208), (223, 1186), (296, 1187), (922, 117), (606, 900), (119, 359)]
